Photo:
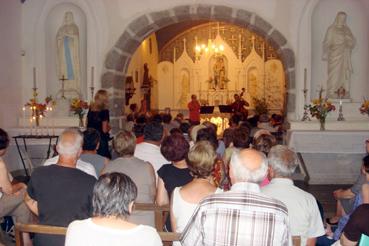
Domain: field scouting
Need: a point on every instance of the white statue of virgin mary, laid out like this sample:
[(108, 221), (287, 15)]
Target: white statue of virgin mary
[(337, 46), (68, 59)]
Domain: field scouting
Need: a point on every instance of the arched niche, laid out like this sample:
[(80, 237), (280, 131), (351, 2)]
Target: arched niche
[(54, 21), (118, 58)]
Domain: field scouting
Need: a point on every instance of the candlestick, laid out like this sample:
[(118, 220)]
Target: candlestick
[(305, 78), (30, 126), (34, 78)]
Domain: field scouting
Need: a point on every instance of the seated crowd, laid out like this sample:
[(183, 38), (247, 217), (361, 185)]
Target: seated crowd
[(234, 190)]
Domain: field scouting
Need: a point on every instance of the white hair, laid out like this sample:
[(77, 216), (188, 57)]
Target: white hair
[(282, 160), (242, 174), (67, 147)]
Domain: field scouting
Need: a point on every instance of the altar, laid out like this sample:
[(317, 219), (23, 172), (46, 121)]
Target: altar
[(331, 156)]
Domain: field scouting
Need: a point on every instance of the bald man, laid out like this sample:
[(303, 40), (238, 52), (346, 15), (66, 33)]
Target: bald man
[(243, 215), (61, 193)]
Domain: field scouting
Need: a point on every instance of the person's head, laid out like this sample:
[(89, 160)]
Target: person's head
[(157, 118), (236, 97), (125, 143), (248, 165), (282, 161), (211, 125), (241, 137), (264, 143), (366, 166), (70, 143), (4, 141), (91, 139), (153, 131), (167, 118), (101, 100), (185, 127), (193, 97), (207, 134), (174, 148), (367, 146), (141, 119), (201, 158), (234, 120), (194, 131), (228, 136), (113, 196), (133, 107)]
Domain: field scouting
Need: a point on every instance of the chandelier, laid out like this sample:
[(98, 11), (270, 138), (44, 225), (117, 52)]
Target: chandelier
[(212, 47)]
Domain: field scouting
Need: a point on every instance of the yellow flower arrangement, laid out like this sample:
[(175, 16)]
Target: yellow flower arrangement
[(364, 109)]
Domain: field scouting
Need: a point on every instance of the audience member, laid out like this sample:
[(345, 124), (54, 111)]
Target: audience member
[(175, 149), (243, 215), (91, 142), (221, 146), (167, 122), (240, 141), (302, 207), (361, 198), (264, 123), (12, 193), (220, 172), (141, 172), (98, 118), (185, 129), (193, 133), (264, 142), (356, 226), (112, 202), (186, 198), (149, 150), (60, 193)]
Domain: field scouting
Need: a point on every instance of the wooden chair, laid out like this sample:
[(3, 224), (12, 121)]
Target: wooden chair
[(159, 211), (33, 228), (166, 237)]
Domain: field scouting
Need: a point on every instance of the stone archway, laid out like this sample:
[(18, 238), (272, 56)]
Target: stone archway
[(118, 58)]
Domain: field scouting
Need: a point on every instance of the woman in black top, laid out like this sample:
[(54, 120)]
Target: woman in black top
[(98, 118), (175, 149)]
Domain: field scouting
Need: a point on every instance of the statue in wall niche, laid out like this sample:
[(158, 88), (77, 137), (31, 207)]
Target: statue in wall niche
[(185, 90), (337, 47), (68, 57)]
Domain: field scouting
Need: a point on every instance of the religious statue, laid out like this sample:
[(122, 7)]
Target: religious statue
[(68, 58), (219, 79), (185, 89), (337, 47)]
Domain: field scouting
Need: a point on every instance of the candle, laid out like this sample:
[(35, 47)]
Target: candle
[(92, 76), (24, 117), (30, 126), (34, 77), (305, 78)]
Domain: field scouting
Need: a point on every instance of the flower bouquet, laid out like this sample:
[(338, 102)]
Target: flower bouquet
[(364, 109), (38, 109), (79, 107), (319, 108)]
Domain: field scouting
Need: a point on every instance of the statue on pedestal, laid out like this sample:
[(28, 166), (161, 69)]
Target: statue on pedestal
[(68, 57), (337, 47)]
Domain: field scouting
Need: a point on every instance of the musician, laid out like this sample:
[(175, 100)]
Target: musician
[(194, 108), (239, 104)]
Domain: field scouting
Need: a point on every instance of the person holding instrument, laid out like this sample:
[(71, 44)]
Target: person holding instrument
[(239, 104)]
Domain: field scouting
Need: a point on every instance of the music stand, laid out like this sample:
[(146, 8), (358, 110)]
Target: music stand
[(206, 109), (225, 108)]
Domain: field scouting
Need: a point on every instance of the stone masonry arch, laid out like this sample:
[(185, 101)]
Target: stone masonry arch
[(118, 58)]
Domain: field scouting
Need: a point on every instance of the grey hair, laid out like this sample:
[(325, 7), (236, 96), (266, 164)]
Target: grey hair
[(70, 148), (243, 174), (282, 160)]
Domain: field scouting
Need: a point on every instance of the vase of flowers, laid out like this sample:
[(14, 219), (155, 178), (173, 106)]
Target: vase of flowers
[(319, 108), (38, 109), (364, 109), (79, 107)]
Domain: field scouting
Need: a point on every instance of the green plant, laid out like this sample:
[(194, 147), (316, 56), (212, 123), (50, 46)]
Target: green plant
[(261, 106)]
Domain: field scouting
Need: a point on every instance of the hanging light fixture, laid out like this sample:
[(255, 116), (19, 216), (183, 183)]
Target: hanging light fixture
[(212, 46)]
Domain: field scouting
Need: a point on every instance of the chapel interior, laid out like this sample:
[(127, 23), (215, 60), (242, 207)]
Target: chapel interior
[(156, 54)]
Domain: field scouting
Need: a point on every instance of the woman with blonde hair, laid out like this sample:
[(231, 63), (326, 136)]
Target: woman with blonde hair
[(185, 199), (98, 118)]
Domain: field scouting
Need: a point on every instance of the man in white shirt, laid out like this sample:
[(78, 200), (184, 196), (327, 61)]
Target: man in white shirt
[(149, 150), (302, 207)]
